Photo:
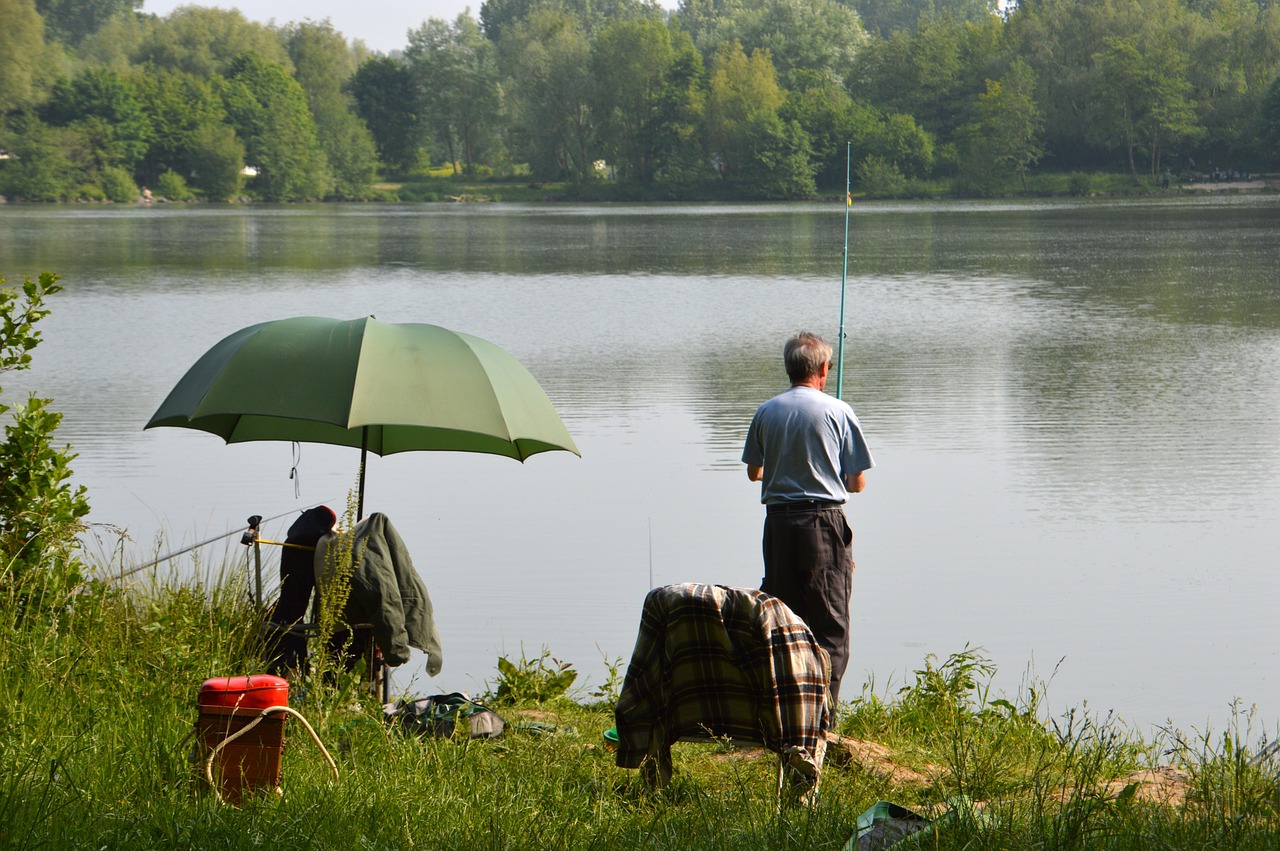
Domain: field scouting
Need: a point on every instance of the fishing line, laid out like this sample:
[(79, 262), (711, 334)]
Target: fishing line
[(844, 273), (237, 531)]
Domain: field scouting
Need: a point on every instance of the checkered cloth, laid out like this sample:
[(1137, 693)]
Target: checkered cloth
[(713, 661)]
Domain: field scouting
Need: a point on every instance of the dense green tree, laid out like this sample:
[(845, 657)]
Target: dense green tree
[(457, 75), (886, 17), (190, 134), (21, 53), (782, 167), (1269, 124), (1004, 135), (546, 64), (323, 62), (42, 168), (386, 99), (1234, 53), (932, 74), (268, 110), (205, 41), (116, 44), (753, 148), (497, 15), (104, 107), (743, 98), (70, 21), (216, 158), (800, 35), (680, 161), (821, 106), (1142, 101), (892, 138), (633, 63)]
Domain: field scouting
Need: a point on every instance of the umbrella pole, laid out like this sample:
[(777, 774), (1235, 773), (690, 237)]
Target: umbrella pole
[(381, 673), (364, 455)]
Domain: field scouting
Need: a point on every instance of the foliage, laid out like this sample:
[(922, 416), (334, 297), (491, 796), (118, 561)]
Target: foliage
[(644, 100), (950, 91), (269, 112), (171, 187), (333, 586), (323, 62), (1004, 135), (101, 701), (42, 167), (205, 41), (537, 681), (40, 512), (190, 135), (70, 21), (1079, 184), (743, 98), (118, 185), (802, 36), (498, 16), (886, 17), (880, 178), (104, 107), (546, 60), (386, 99), (21, 51), (455, 69), (1270, 123)]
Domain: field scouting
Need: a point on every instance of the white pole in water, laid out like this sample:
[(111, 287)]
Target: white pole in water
[(844, 273)]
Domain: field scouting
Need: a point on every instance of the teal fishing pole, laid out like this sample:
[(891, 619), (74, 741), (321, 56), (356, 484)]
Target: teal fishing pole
[(844, 273)]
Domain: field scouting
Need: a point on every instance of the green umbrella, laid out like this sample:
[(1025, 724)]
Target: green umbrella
[(386, 388)]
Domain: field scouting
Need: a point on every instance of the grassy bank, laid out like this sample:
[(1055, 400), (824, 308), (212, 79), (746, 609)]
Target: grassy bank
[(443, 185), (99, 704)]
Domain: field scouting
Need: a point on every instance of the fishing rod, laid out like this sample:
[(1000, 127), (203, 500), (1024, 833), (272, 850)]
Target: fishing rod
[(844, 273), (239, 530)]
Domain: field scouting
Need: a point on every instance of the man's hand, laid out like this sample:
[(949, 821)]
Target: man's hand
[(755, 474)]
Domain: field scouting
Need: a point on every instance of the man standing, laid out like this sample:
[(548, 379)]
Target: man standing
[(808, 450)]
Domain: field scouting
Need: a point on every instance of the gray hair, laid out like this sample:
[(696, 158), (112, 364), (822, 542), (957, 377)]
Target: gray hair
[(804, 355)]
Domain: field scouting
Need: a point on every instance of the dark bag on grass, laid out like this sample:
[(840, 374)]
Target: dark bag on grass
[(440, 714)]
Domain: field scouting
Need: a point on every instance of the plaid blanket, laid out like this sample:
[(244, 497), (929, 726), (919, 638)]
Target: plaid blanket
[(714, 661)]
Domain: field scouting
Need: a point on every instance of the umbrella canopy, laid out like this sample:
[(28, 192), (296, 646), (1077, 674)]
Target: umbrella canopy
[(383, 387)]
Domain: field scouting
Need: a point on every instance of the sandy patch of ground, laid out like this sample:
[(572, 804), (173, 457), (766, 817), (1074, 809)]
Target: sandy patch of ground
[(1166, 785), (875, 759)]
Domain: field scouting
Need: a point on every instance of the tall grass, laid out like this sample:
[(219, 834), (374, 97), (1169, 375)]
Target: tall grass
[(96, 752)]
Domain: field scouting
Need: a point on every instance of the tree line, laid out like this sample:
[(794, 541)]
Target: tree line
[(718, 98)]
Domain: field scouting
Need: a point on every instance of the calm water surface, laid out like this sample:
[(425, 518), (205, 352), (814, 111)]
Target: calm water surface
[(1074, 408)]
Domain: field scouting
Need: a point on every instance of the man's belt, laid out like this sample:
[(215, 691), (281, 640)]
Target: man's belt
[(802, 505)]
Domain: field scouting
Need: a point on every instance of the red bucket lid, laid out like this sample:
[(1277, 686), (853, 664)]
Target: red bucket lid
[(254, 692)]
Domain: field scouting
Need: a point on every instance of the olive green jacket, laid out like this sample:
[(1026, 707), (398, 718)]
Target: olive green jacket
[(387, 592)]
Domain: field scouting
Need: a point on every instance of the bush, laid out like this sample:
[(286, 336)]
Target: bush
[(85, 192), (40, 513), (172, 187), (117, 184), (880, 178), (1079, 184)]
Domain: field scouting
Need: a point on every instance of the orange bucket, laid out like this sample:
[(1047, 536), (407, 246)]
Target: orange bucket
[(252, 762)]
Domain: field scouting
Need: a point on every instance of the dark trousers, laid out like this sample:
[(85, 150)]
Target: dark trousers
[(808, 564)]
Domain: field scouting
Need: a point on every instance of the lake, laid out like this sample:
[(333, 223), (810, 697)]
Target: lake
[(1074, 408)]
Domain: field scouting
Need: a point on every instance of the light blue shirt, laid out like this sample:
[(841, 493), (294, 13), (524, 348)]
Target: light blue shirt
[(808, 443)]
